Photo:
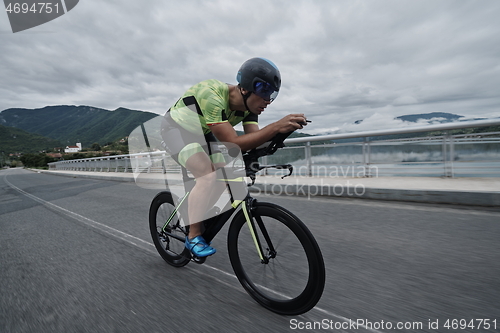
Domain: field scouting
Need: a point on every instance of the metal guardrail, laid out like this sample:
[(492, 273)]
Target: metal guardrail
[(158, 162), (436, 156), (447, 155)]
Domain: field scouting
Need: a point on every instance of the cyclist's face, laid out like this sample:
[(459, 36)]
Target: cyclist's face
[(257, 104)]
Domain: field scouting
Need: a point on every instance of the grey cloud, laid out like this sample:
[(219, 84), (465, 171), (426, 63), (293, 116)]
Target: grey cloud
[(340, 61)]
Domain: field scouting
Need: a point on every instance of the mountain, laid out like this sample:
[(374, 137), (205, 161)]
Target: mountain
[(443, 117), (71, 124), (15, 140)]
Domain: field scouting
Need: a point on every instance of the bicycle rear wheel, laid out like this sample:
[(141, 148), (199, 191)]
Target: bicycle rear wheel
[(292, 278), (169, 241)]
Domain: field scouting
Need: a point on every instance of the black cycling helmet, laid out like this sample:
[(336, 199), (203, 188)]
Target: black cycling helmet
[(261, 77)]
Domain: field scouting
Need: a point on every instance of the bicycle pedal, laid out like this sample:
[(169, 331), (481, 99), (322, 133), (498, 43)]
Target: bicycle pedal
[(198, 260), (188, 255)]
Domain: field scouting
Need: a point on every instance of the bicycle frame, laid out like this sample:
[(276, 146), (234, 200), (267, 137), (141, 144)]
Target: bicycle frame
[(214, 224)]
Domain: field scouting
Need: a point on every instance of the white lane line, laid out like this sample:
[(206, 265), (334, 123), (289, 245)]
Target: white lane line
[(149, 247), (97, 225)]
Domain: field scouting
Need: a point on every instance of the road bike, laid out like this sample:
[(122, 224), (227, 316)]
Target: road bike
[(273, 254)]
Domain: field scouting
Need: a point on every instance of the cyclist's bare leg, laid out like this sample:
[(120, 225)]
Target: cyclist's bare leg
[(204, 194), (218, 188)]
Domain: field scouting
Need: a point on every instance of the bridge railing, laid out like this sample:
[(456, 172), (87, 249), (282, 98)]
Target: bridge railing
[(365, 155), (159, 161)]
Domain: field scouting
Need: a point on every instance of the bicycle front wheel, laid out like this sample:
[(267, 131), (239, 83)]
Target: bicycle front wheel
[(168, 230), (288, 277)]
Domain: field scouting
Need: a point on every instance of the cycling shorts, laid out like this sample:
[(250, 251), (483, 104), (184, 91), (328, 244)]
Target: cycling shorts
[(181, 144)]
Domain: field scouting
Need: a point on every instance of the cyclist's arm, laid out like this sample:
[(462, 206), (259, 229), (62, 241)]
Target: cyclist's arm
[(250, 128), (224, 132)]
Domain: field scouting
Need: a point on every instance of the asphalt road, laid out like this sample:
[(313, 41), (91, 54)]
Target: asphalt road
[(76, 256)]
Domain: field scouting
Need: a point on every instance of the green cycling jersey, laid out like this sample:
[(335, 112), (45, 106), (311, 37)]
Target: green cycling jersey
[(206, 104)]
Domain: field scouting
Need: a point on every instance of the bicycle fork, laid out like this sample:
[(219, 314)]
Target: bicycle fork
[(248, 206)]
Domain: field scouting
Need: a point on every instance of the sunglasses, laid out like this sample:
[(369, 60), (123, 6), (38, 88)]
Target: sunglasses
[(265, 91)]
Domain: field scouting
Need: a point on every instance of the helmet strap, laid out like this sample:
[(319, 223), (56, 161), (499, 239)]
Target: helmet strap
[(245, 97)]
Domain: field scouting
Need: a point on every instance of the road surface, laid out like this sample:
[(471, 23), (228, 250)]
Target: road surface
[(76, 256)]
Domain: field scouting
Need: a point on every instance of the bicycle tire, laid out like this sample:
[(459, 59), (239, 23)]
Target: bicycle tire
[(171, 249), (292, 283)]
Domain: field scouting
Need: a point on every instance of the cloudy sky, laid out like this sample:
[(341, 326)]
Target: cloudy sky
[(340, 61)]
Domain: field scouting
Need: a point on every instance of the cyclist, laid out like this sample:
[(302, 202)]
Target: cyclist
[(208, 111)]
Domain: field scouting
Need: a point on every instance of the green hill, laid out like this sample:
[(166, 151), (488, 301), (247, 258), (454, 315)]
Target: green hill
[(15, 140), (71, 124)]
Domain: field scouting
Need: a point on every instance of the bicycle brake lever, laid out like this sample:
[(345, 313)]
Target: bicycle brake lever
[(290, 170)]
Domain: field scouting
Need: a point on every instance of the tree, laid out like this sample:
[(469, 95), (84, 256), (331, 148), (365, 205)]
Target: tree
[(96, 146), (36, 160)]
